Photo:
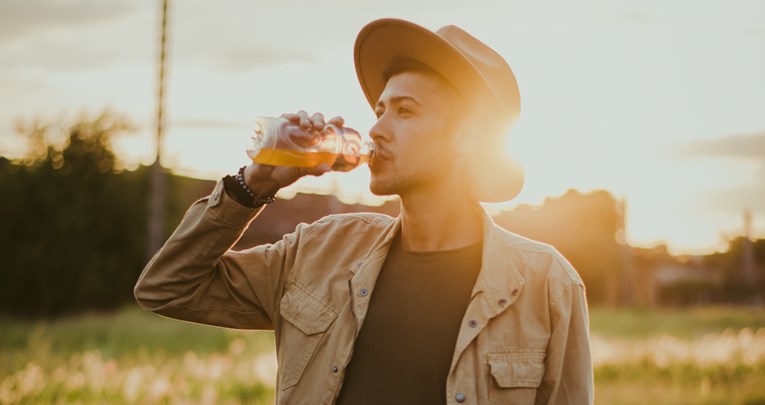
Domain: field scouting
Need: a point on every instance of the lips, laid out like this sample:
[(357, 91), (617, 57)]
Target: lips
[(381, 156)]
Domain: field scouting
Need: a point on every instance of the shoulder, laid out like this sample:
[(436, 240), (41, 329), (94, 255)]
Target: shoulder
[(364, 221), (535, 258)]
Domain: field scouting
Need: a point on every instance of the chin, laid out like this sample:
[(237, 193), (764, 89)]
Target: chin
[(380, 188)]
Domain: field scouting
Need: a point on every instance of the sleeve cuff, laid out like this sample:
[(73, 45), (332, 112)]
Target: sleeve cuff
[(228, 209)]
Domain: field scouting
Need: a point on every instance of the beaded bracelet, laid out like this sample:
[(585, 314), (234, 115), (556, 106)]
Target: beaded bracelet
[(256, 202)]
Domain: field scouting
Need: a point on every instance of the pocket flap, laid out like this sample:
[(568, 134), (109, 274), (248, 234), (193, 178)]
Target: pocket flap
[(517, 369), (304, 311)]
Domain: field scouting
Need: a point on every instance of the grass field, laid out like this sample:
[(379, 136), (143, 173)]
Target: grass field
[(698, 356)]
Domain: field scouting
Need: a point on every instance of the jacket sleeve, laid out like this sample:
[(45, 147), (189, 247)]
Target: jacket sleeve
[(196, 277), (568, 375)]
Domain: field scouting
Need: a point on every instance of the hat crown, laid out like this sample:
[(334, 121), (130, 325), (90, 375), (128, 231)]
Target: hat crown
[(489, 64)]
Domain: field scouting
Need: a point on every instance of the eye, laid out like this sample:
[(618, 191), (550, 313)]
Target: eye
[(404, 110), (379, 112)]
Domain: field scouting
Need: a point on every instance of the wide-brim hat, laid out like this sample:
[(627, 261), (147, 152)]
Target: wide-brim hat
[(472, 67)]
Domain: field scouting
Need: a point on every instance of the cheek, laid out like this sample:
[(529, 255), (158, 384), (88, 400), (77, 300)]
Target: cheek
[(420, 135)]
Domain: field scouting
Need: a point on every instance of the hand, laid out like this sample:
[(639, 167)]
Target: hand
[(314, 123), (266, 180)]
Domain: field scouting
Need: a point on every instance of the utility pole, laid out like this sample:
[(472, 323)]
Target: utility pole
[(157, 192)]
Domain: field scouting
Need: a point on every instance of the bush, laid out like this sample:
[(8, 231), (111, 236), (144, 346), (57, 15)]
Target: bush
[(73, 234)]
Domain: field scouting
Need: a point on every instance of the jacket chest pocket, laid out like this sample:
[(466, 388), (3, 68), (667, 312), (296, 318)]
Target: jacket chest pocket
[(307, 320), (515, 377)]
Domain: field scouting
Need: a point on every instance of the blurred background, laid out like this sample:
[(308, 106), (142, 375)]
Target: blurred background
[(642, 134)]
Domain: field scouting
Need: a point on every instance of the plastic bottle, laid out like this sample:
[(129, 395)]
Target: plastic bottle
[(279, 142)]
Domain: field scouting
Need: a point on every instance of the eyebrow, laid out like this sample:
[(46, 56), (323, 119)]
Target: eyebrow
[(398, 99)]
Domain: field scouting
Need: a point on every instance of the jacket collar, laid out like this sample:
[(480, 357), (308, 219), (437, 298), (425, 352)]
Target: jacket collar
[(379, 248), (500, 281)]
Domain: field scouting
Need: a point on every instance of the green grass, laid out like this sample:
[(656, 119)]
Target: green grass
[(680, 383), (132, 356), (682, 323), (118, 333), (643, 379), (130, 333)]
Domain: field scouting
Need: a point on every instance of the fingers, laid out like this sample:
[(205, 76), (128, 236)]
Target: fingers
[(300, 118), (304, 120), (336, 121), (314, 122), (293, 118), (317, 120)]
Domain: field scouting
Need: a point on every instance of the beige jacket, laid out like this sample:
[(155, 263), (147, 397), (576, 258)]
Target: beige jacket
[(524, 339)]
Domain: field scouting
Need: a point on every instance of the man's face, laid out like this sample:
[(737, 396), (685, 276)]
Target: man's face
[(414, 134)]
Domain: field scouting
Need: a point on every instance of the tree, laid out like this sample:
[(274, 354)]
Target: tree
[(583, 227), (73, 229)]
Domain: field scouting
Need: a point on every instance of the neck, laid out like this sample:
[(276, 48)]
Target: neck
[(440, 220)]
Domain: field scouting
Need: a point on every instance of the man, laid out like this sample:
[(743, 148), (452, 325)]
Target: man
[(439, 305)]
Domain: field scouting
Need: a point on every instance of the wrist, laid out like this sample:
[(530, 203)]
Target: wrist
[(257, 196), (240, 194), (259, 181)]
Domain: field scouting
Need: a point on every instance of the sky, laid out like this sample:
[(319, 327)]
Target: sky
[(662, 103)]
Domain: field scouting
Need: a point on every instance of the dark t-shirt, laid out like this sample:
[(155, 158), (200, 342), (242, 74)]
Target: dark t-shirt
[(405, 347)]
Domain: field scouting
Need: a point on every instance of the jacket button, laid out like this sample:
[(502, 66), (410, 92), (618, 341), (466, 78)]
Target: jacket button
[(460, 397), (363, 292), (334, 369), (472, 323), (502, 302), (515, 292)]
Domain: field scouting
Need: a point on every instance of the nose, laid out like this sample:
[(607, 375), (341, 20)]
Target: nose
[(380, 133)]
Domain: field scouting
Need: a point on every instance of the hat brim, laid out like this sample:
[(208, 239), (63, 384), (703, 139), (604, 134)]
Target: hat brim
[(383, 41)]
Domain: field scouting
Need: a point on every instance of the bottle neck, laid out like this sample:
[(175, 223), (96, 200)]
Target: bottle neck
[(369, 149)]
